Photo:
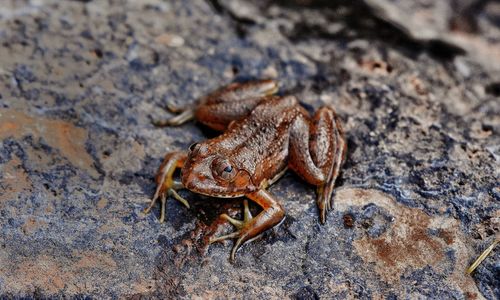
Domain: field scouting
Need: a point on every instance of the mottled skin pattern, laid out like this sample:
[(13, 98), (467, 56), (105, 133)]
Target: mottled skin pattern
[(263, 136)]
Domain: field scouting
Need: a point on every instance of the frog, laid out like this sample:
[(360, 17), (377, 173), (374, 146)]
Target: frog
[(263, 135)]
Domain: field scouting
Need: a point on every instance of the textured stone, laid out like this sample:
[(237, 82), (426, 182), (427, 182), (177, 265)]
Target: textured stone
[(418, 198)]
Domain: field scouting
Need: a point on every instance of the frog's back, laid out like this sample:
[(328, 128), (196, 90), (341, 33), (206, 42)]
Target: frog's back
[(258, 143)]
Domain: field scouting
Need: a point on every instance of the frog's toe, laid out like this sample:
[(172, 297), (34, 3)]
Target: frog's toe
[(179, 119), (173, 108), (236, 223), (173, 193), (162, 195), (323, 204), (239, 224), (224, 237), (247, 216), (163, 199), (159, 194), (153, 200)]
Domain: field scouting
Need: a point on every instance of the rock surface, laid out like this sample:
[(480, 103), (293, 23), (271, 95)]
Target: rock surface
[(417, 201)]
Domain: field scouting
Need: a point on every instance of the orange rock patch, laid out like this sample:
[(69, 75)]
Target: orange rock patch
[(61, 135), (14, 180), (408, 244), (55, 274)]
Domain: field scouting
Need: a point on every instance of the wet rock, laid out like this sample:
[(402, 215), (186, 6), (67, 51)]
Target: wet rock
[(417, 200)]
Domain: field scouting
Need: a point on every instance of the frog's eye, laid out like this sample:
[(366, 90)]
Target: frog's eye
[(222, 169)]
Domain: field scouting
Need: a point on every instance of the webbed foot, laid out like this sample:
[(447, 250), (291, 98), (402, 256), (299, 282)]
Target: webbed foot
[(251, 227)]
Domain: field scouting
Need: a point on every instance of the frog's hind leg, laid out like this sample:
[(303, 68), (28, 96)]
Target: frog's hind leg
[(166, 185), (237, 91), (317, 152), (327, 127), (233, 102), (224, 105), (252, 227)]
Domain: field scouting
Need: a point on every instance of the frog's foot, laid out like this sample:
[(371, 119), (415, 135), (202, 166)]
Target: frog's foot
[(162, 193), (166, 186), (239, 224), (251, 227), (183, 116)]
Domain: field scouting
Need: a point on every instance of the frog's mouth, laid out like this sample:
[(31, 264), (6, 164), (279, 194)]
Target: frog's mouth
[(216, 192), (241, 185), (225, 196)]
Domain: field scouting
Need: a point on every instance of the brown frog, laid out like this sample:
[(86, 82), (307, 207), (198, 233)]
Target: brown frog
[(263, 135)]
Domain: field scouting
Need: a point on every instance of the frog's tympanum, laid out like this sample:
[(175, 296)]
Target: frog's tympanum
[(263, 135)]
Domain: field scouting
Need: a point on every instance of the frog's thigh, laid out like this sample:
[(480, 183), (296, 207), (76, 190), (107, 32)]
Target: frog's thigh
[(236, 92), (314, 146), (317, 151), (300, 157), (233, 102), (328, 146), (218, 116)]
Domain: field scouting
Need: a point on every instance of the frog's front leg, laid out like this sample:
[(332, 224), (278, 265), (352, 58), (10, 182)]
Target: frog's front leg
[(272, 213), (166, 185), (317, 152)]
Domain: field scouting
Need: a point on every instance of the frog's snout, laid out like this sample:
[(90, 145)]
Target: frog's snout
[(195, 177)]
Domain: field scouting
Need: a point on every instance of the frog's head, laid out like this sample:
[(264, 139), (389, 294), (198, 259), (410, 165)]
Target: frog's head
[(210, 173)]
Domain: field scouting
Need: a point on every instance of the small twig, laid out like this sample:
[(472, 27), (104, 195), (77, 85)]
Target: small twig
[(481, 257)]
